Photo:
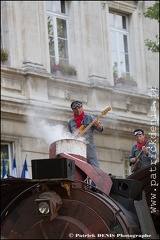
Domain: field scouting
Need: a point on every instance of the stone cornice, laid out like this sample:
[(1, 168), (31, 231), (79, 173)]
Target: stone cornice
[(10, 71), (122, 6), (14, 78), (12, 116), (21, 112)]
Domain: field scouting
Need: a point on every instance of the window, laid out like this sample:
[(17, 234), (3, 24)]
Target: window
[(57, 32), (119, 34), (6, 155)]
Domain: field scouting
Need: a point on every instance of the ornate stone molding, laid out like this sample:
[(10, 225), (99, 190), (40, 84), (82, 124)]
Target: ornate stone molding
[(10, 82), (95, 80), (14, 117), (27, 65), (122, 6)]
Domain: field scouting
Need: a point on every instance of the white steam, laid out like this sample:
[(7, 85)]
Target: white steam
[(41, 129)]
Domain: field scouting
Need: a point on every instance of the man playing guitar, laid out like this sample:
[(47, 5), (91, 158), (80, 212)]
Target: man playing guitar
[(78, 123), (142, 153)]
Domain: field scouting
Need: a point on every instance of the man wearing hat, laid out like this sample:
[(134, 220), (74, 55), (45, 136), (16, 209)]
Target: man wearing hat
[(147, 149), (81, 118)]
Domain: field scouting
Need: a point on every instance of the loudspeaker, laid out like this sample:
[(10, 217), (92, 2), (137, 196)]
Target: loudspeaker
[(53, 168), (127, 187)]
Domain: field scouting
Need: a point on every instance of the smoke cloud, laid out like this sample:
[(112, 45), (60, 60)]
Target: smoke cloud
[(50, 133)]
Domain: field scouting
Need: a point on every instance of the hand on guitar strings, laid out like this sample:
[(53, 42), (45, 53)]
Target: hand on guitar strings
[(97, 124), (133, 160), (145, 150)]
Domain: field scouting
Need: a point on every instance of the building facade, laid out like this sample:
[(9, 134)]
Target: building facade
[(92, 51)]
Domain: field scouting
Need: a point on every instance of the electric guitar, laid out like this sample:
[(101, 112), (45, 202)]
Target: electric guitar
[(82, 130)]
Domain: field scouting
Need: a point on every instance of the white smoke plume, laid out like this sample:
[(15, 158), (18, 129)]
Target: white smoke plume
[(41, 129)]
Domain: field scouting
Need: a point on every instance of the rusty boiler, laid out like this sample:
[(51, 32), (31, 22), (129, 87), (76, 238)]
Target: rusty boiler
[(61, 201)]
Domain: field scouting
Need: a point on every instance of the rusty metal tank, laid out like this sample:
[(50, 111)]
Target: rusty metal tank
[(67, 206)]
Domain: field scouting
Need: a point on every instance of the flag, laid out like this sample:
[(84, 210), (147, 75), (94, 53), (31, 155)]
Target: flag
[(8, 172), (14, 168), (4, 172), (25, 170)]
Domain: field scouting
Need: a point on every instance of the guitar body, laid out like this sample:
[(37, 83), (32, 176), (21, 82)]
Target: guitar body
[(81, 128)]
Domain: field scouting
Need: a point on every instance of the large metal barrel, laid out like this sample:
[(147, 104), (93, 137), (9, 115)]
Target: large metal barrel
[(71, 146)]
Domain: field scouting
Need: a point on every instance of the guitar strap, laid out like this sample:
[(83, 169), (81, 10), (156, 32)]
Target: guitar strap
[(86, 120)]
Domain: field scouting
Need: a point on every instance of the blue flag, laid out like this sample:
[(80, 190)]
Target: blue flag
[(14, 168), (4, 172), (25, 170)]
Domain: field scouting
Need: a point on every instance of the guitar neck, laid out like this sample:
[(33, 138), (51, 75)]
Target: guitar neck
[(139, 154), (104, 112), (142, 150)]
